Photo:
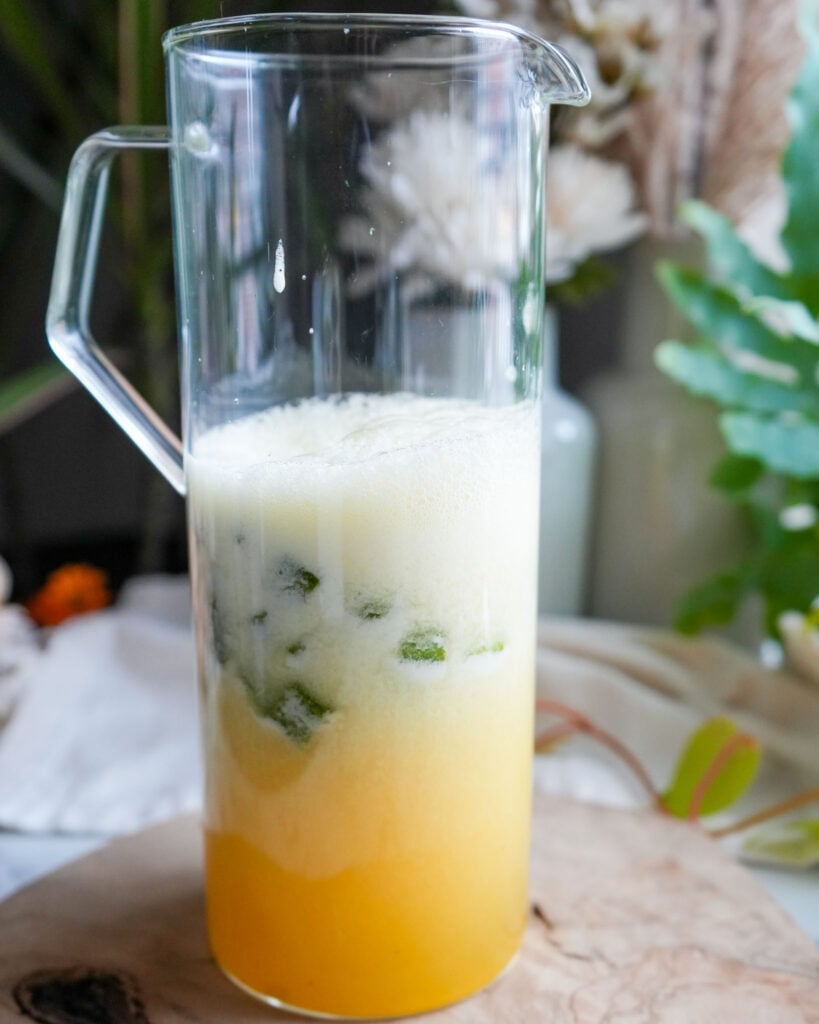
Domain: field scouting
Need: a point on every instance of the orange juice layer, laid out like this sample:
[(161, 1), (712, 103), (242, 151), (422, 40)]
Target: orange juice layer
[(382, 872)]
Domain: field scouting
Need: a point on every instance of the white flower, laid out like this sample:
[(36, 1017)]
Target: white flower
[(607, 115), (647, 22), (590, 209), (618, 44), (438, 206), (629, 36)]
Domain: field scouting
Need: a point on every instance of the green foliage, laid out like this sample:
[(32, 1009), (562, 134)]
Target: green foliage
[(590, 279), (716, 767), (715, 602), (756, 356), (26, 391), (734, 474), (793, 844), (729, 254), (80, 68), (799, 168), (708, 371)]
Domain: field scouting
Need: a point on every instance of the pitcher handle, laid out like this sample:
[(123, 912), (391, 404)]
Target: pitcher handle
[(71, 288)]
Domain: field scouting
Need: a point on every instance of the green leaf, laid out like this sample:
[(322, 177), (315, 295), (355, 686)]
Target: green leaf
[(792, 844), (799, 167), (423, 645), (719, 314), (800, 492), (765, 520), (141, 23), (28, 392), (735, 474), (33, 176), (788, 574), (295, 710), (701, 752), (27, 37), (705, 371), (786, 445), (715, 602), (732, 257), (787, 318)]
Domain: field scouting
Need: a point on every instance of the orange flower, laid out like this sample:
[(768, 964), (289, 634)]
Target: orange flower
[(71, 590)]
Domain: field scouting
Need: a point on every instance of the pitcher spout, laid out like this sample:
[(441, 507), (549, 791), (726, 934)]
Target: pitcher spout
[(552, 75)]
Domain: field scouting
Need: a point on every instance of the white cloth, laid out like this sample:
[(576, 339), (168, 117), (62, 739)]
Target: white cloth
[(104, 734), (18, 649)]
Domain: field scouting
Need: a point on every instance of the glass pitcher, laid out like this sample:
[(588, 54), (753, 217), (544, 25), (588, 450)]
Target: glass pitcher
[(358, 222)]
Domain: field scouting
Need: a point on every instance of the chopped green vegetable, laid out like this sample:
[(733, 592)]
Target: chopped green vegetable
[(296, 711), (258, 618), (296, 579), (296, 648), (423, 645), (494, 648), (373, 609)]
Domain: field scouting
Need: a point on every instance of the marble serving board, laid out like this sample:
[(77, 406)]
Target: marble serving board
[(634, 918)]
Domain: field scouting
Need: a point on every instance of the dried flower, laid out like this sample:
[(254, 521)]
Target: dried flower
[(70, 590), (622, 47), (617, 43), (590, 206)]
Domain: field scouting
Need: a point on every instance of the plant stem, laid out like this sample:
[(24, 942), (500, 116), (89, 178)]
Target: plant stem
[(810, 796), (546, 738), (579, 723)]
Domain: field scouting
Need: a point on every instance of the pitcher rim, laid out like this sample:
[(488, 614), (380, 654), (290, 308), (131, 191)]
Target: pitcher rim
[(564, 70), (478, 26), (176, 37)]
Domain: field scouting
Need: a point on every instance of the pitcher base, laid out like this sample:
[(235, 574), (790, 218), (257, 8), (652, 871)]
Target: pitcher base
[(302, 1011)]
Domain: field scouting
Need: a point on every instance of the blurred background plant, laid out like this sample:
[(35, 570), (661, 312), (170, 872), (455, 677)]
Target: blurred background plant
[(74, 68), (756, 356)]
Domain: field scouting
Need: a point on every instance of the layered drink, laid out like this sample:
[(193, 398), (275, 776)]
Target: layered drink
[(365, 580)]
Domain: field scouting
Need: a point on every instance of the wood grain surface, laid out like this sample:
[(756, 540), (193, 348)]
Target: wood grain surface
[(636, 919)]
